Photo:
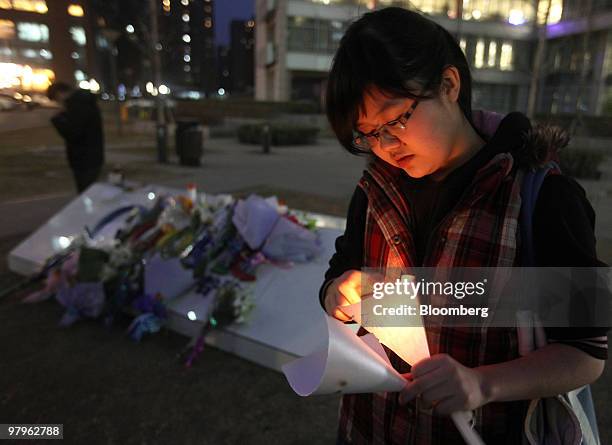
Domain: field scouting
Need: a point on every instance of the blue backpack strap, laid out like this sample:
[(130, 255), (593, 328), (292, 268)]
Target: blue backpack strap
[(530, 189), (582, 400)]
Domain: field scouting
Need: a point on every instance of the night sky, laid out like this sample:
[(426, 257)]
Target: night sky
[(228, 10)]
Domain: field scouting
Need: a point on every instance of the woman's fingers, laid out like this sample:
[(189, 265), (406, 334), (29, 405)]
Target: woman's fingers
[(421, 385), (350, 293), (437, 393), (341, 315), (448, 406)]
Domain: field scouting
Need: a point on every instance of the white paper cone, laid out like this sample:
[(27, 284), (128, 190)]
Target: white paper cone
[(409, 342), (347, 365)]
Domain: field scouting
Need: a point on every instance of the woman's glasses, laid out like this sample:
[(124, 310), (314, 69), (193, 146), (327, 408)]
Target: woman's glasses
[(365, 142)]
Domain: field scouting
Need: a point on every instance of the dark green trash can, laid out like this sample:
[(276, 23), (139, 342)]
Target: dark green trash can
[(189, 141)]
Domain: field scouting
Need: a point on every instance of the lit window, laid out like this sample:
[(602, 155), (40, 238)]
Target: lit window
[(7, 29), (554, 15), (46, 54), (24, 77), (29, 53), (78, 35), (76, 10), (33, 32), (505, 60), (557, 62), (516, 17), (492, 54), (39, 6), (479, 57)]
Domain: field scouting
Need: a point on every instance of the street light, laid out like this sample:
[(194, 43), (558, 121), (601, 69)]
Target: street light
[(161, 127), (111, 37)]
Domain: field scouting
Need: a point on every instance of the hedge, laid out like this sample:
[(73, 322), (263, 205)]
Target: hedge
[(581, 163), (280, 134)]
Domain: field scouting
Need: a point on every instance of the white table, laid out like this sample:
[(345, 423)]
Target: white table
[(287, 320)]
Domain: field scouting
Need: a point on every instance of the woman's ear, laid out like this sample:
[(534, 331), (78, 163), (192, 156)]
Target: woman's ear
[(451, 83)]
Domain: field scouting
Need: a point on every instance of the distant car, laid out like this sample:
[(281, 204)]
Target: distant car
[(24, 101), (43, 101), (148, 103), (142, 103), (9, 103)]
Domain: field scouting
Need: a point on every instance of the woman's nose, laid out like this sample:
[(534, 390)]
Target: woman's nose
[(388, 141)]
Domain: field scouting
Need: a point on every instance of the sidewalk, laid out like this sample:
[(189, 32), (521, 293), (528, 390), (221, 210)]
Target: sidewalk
[(37, 181), (141, 388), (319, 178)]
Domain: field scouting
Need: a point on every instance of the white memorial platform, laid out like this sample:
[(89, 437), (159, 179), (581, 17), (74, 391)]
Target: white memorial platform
[(287, 321)]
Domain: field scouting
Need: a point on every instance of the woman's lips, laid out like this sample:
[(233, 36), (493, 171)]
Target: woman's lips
[(403, 159)]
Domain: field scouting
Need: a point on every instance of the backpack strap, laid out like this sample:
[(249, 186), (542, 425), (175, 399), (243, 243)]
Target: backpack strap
[(530, 189)]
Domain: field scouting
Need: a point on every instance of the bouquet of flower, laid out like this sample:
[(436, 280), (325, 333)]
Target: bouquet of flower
[(211, 244)]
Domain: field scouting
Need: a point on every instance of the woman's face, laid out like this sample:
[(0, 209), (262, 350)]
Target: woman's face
[(427, 144)]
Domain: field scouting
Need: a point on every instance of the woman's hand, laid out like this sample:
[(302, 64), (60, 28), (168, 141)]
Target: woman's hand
[(445, 384), (346, 290)]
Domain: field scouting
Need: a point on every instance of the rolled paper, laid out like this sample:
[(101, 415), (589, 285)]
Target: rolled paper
[(345, 364), (408, 342)]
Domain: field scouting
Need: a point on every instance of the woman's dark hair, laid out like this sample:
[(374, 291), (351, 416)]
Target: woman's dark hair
[(58, 87), (401, 52)]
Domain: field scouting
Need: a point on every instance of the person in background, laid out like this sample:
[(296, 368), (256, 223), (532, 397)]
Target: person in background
[(80, 124)]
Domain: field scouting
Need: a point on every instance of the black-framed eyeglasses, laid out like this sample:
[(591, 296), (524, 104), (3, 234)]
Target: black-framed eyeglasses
[(365, 142)]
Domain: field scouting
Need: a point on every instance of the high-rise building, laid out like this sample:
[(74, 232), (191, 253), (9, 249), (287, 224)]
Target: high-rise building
[(223, 68), (296, 40), (45, 41), (242, 56), (185, 44), (187, 38), (577, 68)]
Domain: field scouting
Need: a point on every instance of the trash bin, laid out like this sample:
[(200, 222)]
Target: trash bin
[(188, 141)]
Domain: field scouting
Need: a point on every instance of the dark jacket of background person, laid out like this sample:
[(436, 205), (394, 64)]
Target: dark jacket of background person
[(80, 124)]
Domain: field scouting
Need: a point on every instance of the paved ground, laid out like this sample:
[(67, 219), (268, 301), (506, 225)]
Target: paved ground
[(103, 387), (106, 389)]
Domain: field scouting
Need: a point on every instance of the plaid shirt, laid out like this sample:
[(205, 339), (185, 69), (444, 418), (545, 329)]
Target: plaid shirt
[(481, 231)]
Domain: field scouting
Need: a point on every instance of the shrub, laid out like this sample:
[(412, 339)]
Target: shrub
[(581, 163), (280, 134)]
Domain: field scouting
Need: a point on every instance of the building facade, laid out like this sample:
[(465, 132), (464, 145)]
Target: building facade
[(241, 56), (188, 49), (577, 70), (296, 40), (45, 41), (185, 44)]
